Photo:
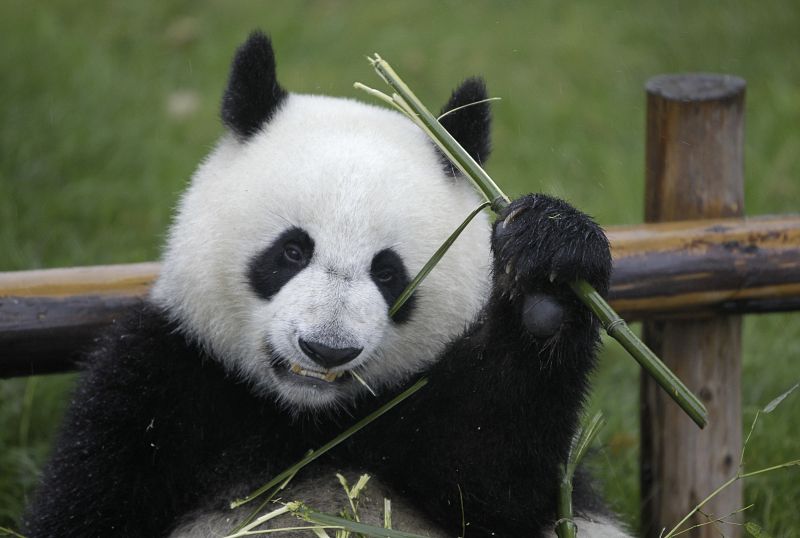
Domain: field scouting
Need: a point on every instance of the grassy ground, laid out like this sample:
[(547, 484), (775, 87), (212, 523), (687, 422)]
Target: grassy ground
[(107, 107)]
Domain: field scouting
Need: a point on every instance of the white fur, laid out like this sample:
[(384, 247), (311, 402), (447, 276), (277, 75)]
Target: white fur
[(358, 179)]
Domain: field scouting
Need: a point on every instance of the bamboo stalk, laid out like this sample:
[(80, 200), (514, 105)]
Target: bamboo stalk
[(616, 327), (406, 101), (565, 526), (453, 149)]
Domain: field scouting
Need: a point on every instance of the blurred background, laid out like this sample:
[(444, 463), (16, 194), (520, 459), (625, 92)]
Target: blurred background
[(107, 107)]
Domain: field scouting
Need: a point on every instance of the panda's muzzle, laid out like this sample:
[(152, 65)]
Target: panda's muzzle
[(328, 357)]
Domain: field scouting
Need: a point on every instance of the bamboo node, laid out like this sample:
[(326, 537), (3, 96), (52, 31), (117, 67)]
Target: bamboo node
[(613, 324)]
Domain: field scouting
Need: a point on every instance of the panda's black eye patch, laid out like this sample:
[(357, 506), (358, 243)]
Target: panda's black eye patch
[(274, 266), (389, 275)]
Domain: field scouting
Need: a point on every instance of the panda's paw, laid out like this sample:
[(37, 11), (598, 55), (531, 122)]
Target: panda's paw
[(541, 244)]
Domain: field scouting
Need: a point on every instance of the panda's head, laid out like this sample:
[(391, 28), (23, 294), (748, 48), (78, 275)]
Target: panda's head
[(303, 226)]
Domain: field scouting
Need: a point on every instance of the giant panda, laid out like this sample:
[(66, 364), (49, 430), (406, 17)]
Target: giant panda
[(297, 233)]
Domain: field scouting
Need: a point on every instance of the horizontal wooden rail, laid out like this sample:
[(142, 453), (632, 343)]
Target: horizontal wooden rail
[(692, 268), (706, 267)]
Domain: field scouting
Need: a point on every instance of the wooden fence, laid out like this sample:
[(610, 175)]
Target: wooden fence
[(690, 272)]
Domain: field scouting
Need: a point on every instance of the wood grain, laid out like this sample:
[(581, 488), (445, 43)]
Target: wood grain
[(695, 132), (705, 268)]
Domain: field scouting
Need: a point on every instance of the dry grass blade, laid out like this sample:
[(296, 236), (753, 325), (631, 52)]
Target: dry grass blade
[(362, 382), (740, 474), (329, 520), (714, 521), (247, 530), (387, 513)]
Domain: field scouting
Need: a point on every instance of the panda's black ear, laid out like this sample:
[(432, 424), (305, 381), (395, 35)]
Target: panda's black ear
[(469, 125), (253, 93)]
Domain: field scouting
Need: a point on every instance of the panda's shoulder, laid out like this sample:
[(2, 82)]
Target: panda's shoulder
[(141, 339), (145, 355)]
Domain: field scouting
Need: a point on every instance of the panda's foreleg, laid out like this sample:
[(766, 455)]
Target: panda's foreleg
[(104, 478), (130, 455), (494, 424)]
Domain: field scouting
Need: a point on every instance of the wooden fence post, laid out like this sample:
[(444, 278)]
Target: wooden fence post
[(694, 170)]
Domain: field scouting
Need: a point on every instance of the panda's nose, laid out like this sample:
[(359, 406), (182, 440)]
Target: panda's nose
[(328, 357)]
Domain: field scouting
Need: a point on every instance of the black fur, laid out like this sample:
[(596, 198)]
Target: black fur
[(253, 93), (271, 269), (471, 125), (388, 263), (568, 245), (157, 429)]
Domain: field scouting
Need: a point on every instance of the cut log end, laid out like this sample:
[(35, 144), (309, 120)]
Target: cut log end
[(694, 87)]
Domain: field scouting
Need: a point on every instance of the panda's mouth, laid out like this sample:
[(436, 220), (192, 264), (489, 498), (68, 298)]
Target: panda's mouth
[(324, 375), (293, 372)]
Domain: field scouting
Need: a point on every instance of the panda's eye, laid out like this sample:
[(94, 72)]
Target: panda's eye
[(385, 276), (293, 253)]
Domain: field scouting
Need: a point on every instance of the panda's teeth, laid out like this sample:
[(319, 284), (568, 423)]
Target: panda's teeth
[(310, 373), (325, 376)]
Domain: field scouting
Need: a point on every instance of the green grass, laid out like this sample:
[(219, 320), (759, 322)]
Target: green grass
[(91, 162)]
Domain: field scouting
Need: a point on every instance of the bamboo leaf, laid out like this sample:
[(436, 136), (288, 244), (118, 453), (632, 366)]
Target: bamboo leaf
[(585, 438), (755, 530), (316, 529), (565, 526), (332, 443), (770, 407), (428, 267)]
